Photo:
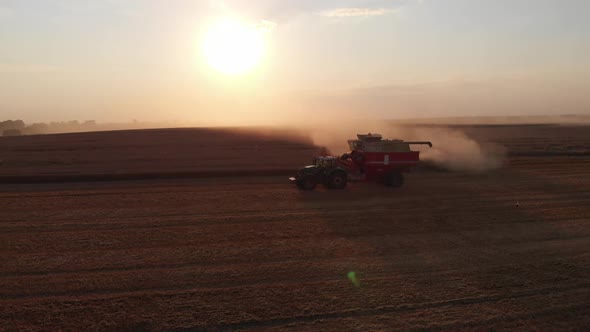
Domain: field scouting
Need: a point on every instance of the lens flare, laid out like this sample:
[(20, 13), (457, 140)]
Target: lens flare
[(353, 278)]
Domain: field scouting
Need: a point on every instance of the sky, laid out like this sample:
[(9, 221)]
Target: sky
[(123, 60)]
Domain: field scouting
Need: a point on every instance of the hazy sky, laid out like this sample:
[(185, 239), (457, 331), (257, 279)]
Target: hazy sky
[(117, 60)]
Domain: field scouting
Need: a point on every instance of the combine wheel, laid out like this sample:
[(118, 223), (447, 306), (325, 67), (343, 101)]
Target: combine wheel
[(394, 179), (337, 180), (308, 182)]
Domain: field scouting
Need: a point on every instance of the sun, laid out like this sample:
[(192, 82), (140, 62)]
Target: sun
[(233, 47)]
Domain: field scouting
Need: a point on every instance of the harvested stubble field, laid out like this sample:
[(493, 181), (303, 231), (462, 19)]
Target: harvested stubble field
[(450, 250)]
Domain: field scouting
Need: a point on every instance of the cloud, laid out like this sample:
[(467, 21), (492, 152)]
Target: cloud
[(357, 12), (266, 26)]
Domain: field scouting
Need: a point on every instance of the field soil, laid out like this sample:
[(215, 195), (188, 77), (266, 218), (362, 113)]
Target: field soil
[(153, 152), (502, 249)]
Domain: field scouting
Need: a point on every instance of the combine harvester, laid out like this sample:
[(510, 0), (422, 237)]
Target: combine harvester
[(371, 159)]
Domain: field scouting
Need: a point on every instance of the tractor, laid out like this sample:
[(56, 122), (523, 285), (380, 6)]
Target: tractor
[(371, 158)]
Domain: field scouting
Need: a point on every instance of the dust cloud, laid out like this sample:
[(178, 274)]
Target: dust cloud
[(452, 148)]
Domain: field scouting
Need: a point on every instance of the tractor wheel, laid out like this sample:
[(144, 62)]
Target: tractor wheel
[(395, 179), (337, 180), (306, 183)]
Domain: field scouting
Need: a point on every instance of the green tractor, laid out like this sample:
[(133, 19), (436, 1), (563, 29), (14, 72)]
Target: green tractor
[(325, 170)]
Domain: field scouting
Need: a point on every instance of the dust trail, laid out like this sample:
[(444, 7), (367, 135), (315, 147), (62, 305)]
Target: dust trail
[(452, 149)]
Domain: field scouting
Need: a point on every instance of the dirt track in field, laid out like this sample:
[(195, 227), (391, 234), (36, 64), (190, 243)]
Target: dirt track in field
[(449, 251)]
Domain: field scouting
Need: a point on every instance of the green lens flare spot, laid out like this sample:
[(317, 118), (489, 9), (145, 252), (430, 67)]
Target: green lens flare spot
[(353, 278)]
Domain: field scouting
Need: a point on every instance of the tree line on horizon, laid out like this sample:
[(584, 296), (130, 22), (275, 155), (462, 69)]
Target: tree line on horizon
[(19, 127)]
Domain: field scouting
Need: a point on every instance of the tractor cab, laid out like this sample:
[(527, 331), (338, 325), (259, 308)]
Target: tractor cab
[(325, 161)]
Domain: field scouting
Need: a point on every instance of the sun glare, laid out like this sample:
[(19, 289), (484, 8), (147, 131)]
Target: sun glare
[(233, 47)]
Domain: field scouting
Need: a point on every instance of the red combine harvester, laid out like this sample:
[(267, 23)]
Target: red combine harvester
[(371, 159)]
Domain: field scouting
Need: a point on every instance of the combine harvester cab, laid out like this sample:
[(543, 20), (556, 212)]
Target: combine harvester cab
[(371, 159)]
